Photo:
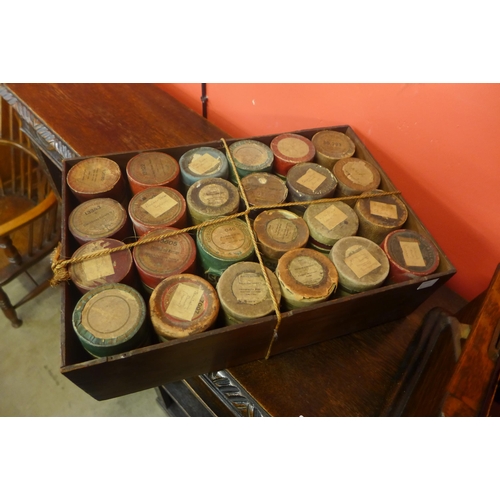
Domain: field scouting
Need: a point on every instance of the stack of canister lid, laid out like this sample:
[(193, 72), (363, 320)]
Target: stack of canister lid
[(290, 149), (202, 163)]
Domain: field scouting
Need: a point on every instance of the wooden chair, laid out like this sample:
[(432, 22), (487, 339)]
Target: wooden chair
[(29, 210)]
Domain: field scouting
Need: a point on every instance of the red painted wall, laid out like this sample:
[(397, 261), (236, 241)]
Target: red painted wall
[(437, 142)]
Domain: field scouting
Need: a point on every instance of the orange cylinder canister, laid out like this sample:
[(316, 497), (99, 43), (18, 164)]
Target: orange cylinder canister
[(290, 149)]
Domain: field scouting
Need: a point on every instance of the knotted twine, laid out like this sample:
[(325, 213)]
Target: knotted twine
[(60, 266)]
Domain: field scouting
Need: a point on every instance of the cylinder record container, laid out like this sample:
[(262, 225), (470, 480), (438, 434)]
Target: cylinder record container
[(290, 149), (249, 157), (156, 208), (110, 319), (361, 264), (244, 294), (202, 163), (264, 189), (332, 146), (152, 169), (183, 305)]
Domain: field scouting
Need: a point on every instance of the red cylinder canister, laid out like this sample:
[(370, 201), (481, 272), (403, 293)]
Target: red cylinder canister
[(290, 149)]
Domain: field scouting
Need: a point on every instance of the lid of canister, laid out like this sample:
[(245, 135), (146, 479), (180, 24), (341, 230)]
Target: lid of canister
[(306, 275), (201, 163), (310, 181), (244, 294), (157, 206), (211, 198), (386, 211), (330, 221), (95, 177), (356, 176), (97, 271), (183, 305), (290, 149), (157, 260), (109, 319), (264, 189), (279, 231), (411, 252), (152, 168), (361, 263), (251, 156), (332, 146), (97, 218)]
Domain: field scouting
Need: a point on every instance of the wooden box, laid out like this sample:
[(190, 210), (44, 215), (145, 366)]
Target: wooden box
[(224, 347)]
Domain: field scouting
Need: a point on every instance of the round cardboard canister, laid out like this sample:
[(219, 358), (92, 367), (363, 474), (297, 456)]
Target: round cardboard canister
[(290, 149), (332, 146), (157, 260), (96, 178), (110, 319), (203, 163), (183, 305), (328, 223), (307, 182), (152, 169), (380, 216), (277, 232), (97, 219), (157, 207), (306, 277), (264, 189), (244, 294), (117, 267), (362, 265), (249, 157), (355, 176), (211, 198), (221, 245), (411, 255)]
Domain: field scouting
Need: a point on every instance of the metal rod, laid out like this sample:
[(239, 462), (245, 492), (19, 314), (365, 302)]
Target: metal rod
[(204, 99)]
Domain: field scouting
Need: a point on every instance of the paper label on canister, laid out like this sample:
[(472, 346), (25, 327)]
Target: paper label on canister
[(293, 148), (384, 209), (412, 253), (306, 270), (250, 154), (159, 204), (201, 164), (362, 262), (331, 217), (228, 237), (250, 288), (282, 230), (358, 173), (214, 195), (311, 179), (99, 267), (184, 302)]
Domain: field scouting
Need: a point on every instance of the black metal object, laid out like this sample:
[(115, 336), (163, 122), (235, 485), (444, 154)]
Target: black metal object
[(204, 99)]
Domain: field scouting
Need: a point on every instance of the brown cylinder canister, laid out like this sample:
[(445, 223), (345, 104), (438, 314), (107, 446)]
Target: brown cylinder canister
[(211, 198), (306, 277), (307, 182), (355, 176), (183, 305), (117, 267), (290, 149), (244, 294), (157, 260), (362, 265), (97, 219), (157, 207), (264, 189), (411, 255), (97, 178), (332, 146), (152, 169), (277, 232), (379, 216), (329, 222), (249, 157)]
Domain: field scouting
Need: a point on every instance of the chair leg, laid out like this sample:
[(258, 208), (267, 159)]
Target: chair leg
[(8, 310)]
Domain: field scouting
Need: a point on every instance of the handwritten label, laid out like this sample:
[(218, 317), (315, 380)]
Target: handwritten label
[(99, 267), (384, 210), (159, 204), (201, 164), (412, 254), (331, 217), (184, 302), (358, 173), (361, 263), (311, 179)]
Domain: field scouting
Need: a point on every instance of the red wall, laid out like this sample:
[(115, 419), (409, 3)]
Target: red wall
[(437, 142)]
